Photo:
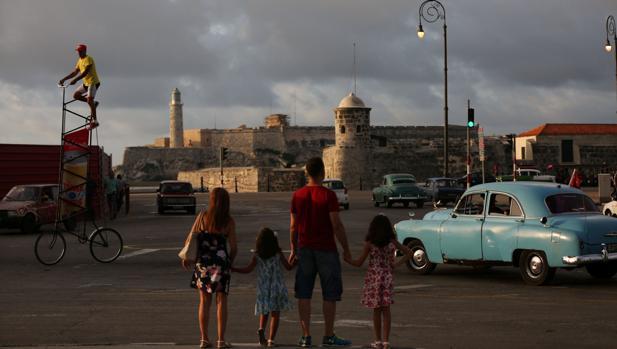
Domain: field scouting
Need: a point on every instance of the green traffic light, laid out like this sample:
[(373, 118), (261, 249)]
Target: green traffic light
[(470, 124)]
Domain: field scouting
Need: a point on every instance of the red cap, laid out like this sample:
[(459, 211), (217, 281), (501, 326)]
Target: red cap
[(80, 47)]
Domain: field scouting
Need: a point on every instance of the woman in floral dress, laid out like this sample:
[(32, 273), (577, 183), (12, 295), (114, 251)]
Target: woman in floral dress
[(216, 230), (379, 246)]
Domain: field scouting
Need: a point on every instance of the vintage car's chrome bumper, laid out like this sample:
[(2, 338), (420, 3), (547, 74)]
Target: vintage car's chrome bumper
[(404, 198), (603, 256)]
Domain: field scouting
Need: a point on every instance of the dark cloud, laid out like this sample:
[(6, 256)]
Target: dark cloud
[(521, 63)]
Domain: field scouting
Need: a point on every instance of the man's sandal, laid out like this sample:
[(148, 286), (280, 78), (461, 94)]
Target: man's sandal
[(376, 345)]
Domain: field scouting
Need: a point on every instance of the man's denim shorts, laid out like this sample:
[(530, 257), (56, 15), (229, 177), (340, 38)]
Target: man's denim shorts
[(327, 265)]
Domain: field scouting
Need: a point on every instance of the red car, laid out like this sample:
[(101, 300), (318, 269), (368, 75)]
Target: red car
[(29, 206)]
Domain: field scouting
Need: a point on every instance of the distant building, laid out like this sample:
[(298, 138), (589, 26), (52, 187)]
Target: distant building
[(591, 148), (176, 129)]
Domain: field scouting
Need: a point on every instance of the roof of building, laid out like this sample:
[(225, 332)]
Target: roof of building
[(571, 129), (351, 101)]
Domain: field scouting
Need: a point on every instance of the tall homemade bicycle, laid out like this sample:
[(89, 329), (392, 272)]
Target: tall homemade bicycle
[(75, 195), (105, 244)]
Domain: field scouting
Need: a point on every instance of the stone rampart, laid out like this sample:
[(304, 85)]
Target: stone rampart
[(246, 179)]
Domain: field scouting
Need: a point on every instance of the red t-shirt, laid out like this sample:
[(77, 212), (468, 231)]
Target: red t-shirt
[(312, 206)]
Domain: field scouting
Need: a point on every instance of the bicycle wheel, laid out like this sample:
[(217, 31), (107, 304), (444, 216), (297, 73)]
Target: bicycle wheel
[(50, 247), (105, 245)]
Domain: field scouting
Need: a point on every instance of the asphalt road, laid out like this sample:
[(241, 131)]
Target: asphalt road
[(144, 299)]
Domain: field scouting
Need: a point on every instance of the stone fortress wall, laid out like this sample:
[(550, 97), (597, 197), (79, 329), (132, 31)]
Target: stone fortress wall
[(271, 157)]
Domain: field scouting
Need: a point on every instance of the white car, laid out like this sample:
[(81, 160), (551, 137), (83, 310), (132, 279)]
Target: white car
[(337, 186), (610, 208)]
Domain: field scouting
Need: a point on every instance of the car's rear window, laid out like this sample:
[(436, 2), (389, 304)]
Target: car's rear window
[(334, 185), (403, 181), (446, 183), (169, 188), (566, 203)]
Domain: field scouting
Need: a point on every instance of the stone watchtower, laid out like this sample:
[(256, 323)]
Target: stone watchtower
[(176, 130), (350, 158)]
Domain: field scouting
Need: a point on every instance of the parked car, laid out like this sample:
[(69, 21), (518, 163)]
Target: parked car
[(176, 195), (443, 190), (27, 207), (476, 178), (399, 187), (536, 227), (337, 186), (527, 174), (610, 208)]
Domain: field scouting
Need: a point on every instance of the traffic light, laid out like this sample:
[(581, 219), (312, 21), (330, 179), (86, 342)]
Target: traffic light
[(470, 118), (224, 153)]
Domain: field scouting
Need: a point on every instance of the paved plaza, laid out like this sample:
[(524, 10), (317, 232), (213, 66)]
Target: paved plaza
[(143, 299)]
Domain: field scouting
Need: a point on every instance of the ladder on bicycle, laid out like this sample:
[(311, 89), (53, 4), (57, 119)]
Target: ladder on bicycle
[(75, 194)]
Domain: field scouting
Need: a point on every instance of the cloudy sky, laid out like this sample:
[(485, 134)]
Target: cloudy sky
[(522, 63)]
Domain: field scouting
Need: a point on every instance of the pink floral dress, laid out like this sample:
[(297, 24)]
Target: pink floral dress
[(379, 282)]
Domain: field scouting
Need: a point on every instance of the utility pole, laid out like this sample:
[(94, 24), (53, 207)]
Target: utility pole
[(470, 125), (221, 158)]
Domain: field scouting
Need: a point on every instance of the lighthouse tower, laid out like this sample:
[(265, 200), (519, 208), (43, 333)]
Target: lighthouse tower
[(176, 130), (351, 156)]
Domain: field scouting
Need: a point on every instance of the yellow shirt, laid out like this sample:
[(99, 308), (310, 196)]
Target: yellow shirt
[(92, 78)]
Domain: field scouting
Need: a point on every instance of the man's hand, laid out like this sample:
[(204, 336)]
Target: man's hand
[(61, 82), (347, 256), (292, 257)]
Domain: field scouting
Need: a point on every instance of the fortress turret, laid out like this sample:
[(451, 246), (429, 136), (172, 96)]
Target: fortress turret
[(176, 129), (350, 158)]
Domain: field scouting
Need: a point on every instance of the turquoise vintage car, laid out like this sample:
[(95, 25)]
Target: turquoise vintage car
[(534, 226), (399, 187)]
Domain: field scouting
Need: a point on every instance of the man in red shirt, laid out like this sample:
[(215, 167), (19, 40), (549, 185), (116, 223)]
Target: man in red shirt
[(315, 222)]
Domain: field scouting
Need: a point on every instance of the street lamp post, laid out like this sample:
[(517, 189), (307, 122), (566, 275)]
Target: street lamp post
[(431, 11), (611, 30)]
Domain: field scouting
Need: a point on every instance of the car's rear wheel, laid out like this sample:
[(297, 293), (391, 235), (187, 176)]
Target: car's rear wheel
[(29, 224), (607, 212), (602, 270), (388, 203), (375, 202), (406, 203), (535, 269), (419, 203), (419, 262)]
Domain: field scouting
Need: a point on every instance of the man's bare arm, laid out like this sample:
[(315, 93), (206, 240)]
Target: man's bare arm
[(341, 235)]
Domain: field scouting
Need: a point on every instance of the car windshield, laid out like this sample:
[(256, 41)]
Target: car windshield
[(169, 188), (565, 203), (407, 180), (334, 185), (445, 183), (22, 193)]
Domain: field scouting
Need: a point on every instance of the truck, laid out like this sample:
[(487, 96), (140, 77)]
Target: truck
[(34, 165)]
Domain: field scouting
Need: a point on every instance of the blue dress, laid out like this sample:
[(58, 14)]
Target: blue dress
[(271, 289)]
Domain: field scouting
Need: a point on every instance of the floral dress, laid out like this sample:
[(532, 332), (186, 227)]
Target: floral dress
[(271, 289), (213, 268), (378, 284)]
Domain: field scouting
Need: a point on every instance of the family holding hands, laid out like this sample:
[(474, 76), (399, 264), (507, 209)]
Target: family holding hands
[(315, 224)]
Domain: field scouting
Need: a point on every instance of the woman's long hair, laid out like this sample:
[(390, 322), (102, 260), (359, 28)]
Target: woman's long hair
[(380, 231), (216, 217)]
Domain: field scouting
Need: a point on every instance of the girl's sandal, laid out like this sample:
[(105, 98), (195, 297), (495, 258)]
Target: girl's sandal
[(271, 343), (385, 345), (204, 343), (222, 344), (376, 345)]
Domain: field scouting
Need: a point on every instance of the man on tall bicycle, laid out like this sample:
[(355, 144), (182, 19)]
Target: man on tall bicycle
[(85, 69)]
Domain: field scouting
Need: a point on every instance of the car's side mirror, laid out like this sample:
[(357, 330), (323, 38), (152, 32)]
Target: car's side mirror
[(453, 215)]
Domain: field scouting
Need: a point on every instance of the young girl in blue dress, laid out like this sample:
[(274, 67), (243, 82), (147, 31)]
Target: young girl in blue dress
[(272, 295)]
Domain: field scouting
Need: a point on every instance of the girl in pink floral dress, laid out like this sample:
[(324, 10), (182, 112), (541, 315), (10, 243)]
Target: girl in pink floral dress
[(379, 246)]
